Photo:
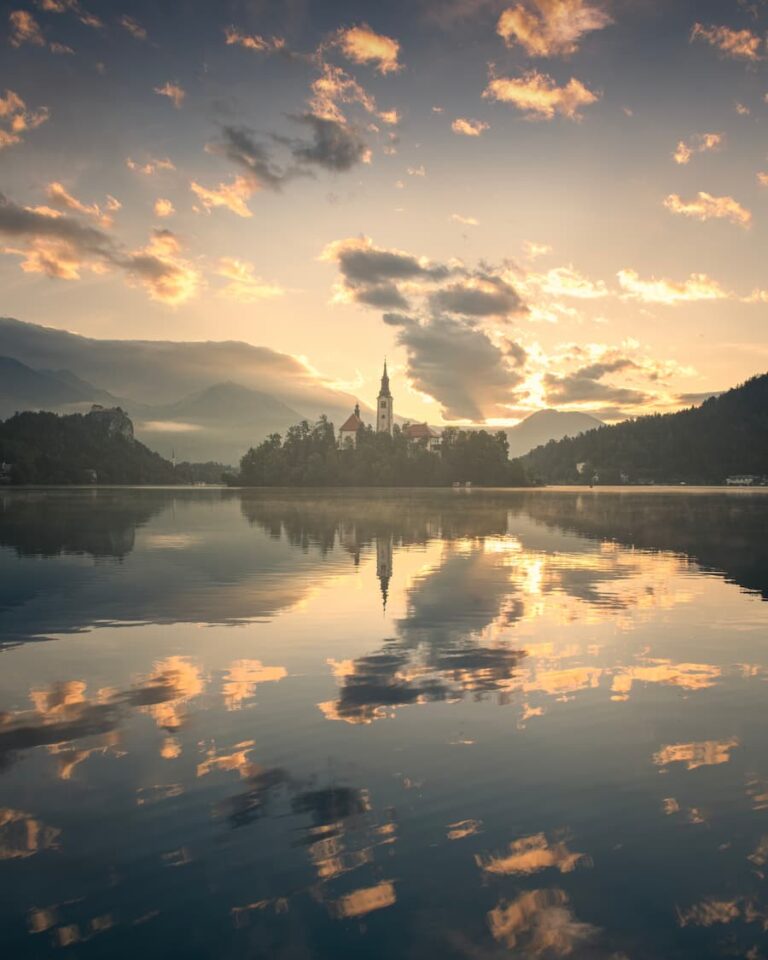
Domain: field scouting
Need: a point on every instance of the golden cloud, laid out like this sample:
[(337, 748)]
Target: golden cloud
[(697, 287), (167, 277), (469, 128), (174, 92), (232, 196), (363, 45), (707, 207), (24, 29), (151, 166), (739, 44), (539, 97), (466, 221), (549, 28), (253, 41), (702, 143), (60, 197), (15, 118), (163, 207)]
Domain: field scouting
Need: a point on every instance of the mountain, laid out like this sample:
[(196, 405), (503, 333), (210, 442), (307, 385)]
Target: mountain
[(219, 423), (22, 388), (232, 394), (726, 435), (158, 372), (546, 425)]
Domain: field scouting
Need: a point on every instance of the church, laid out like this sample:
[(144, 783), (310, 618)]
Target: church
[(385, 419)]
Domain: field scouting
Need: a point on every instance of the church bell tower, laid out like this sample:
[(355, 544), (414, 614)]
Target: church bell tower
[(384, 411)]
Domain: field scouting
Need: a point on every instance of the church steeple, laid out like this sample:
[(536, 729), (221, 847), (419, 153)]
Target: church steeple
[(384, 405), (384, 391)]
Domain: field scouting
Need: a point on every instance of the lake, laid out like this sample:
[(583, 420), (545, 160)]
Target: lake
[(384, 724)]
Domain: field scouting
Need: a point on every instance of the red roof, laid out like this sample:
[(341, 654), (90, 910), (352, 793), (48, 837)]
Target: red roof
[(352, 424), (419, 431)]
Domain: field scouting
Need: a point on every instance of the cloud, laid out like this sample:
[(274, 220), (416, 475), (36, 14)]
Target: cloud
[(163, 208), (133, 27), (255, 159), (71, 6), (539, 97), (253, 41), (334, 145), (16, 119), (568, 282), (244, 286), (174, 92), (233, 196), (447, 317), (159, 267), (61, 246), (697, 287), (457, 364), (578, 387), (739, 44), (701, 143), (469, 128), (151, 166), (762, 179), (478, 296), (707, 207), (363, 45), (466, 221), (550, 28), (24, 29), (372, 275), (60, 197)]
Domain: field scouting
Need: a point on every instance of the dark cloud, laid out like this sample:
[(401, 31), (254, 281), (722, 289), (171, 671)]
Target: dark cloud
[(335, 146), (494, 297), (573, 388), (457, 364), (255, 159), (18, 221), (693, 399), (596, 371), (450, 356)]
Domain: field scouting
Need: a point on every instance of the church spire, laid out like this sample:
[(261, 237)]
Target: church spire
[(384, 405), (384, 391)]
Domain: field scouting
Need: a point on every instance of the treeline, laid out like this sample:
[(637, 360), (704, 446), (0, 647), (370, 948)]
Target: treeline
[(76, 448), (726, 435), (309, 456)]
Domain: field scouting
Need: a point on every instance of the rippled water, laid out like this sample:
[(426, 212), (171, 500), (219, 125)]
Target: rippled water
[(402, 725)]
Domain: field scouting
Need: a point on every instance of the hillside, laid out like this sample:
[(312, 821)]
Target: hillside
[(727, 434), (77, 448), (546, 425)]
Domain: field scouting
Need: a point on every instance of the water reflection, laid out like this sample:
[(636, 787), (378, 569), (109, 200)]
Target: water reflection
[(497, 724)]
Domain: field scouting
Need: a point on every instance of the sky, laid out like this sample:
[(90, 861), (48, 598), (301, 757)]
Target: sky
[(542, 203)]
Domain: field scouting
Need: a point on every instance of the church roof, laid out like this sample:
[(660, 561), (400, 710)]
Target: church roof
[(420, 431), (352, 424)]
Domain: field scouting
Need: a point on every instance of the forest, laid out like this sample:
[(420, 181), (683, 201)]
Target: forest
[(309, 456), (726, 435)]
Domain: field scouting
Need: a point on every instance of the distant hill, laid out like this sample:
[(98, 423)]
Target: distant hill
[(22, 388), (77, 448), (217, 423), (726, 435), (546, 425), (202, 400)]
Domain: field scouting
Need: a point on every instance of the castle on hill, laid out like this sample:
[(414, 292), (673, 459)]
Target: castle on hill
[(385, 421)]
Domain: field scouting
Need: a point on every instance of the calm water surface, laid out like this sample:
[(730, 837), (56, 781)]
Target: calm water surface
[(400, 725)]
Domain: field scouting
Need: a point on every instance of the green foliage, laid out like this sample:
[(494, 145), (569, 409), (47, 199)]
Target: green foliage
[(308, 456), (46, 448), (726, 435)]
